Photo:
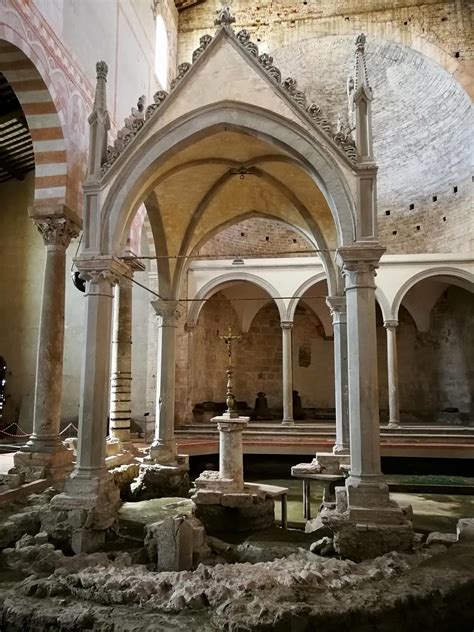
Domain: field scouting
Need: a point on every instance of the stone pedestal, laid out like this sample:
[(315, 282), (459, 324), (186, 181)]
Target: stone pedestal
[(45, 455), (156, 480), (223, 501), (287, 372)]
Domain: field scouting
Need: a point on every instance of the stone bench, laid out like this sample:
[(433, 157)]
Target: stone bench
[(276, 492)]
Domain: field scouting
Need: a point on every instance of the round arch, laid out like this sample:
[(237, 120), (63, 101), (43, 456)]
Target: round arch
[(38, 98), (133, 176), (456, 273), (304, 287), (211, 287)]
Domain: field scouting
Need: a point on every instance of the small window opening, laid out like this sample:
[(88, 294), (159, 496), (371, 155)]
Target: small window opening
[(444, 219), (456, 54), (418, 227), (444, 19), (412, 206), (387, 212), (394, 232), (435, 198), (455, 189), (242, 234), (267, 238)]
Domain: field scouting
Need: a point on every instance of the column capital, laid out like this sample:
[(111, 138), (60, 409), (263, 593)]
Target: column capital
[(338, 308), (168, 312), (390, 324), (286, 324), (133, 262), (57, 225), (189, 327), (100, 271), (358, 264)]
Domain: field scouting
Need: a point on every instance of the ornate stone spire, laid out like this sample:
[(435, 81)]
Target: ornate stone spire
[(100, 99), (99, 125), (224, 16), (361, 76), (362, 97)]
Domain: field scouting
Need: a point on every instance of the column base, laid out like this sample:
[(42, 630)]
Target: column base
[(162, 453), (288, 422), (341, 449), (81, 515), (366, 532), (393, 424), (55, 465), (158, 480)]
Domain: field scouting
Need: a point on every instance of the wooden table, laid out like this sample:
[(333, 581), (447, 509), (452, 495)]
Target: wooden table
[(330, 482)]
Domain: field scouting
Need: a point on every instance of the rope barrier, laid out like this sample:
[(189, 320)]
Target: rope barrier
[(71, 425), (21, 434)]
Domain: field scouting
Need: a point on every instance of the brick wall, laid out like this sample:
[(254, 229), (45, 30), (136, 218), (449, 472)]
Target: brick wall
[(256, 236)]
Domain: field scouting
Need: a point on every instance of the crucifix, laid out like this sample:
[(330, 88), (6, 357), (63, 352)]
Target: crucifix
[(228, 339)]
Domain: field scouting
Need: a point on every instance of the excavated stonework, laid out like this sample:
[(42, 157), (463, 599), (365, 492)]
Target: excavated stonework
[(160, 481)]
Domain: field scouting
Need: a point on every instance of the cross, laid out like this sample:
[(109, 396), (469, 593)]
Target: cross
[(229, 339)]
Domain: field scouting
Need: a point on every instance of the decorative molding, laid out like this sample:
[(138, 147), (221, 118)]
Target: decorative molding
[(168, 312), (390, 324), (286, 324), (341, 138)]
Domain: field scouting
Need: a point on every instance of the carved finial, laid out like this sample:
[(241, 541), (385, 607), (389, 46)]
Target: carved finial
[(224, 16), (361, 76), (100, 99)]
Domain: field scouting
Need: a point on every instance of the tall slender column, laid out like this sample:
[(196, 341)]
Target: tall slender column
[(287, 365), (163, 448), (57, 230), (365, 486), (392, 364), (121, 377), (190, 329), (337, 305)]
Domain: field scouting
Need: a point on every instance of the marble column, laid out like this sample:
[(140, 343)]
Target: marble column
[(163, 448), (190, 329), (337, 305), (121, 377), (287, 365), (90, 488), (57, 230), (366, 489), (392, 365)]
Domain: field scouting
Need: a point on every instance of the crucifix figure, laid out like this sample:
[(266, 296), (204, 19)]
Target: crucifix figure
[(228, 339)]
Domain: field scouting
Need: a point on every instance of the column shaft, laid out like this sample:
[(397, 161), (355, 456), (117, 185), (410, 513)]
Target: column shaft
[(57, 231), (337, 305), (163, 448), (121, 376), (392, 365), (94, 398), (287, 369)]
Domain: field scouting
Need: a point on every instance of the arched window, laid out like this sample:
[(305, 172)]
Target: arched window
[(161, 51)]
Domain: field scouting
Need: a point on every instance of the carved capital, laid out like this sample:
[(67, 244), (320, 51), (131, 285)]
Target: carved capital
[(100, 274), (390, 324), (338, 308), (286, 324), (57, 225), (359, 263), (168, 312), (189, 327)]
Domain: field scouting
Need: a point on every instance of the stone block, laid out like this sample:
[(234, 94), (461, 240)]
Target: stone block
[(386, 515), (175, 545), (366, 541), (207, 497), (237, 500), (160, 481), (441, 538), (465, 530), (341, 499), (87, 540), (367, 495)]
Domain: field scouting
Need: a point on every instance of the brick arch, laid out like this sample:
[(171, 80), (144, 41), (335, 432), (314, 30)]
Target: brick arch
[(23, 69)]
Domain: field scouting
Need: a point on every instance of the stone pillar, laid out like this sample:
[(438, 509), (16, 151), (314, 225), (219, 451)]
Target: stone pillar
[(231, 461), (90, 487), (337, 305), (190, 329), (366, 490), (45, 451), (392, 364), (287, 353), (121, 376), (163, 448)]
